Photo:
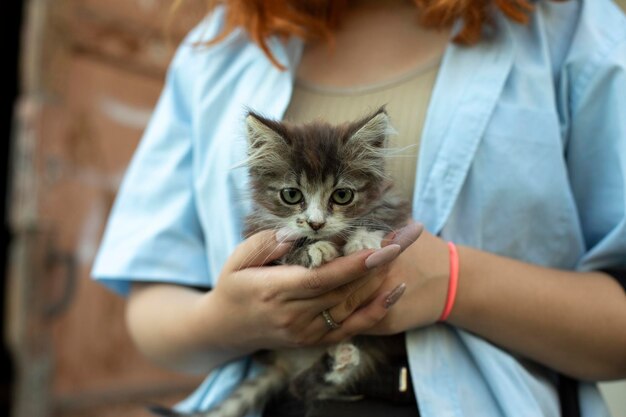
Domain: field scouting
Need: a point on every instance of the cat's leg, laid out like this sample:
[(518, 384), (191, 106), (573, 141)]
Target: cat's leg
[(345, 364), (330, 375), (346, 360), (309, 383), (362, 238), (313, 255), (321, 252)]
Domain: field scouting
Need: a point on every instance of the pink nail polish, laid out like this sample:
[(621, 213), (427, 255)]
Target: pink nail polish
[(395, 295), (408, 234), (382, 256)]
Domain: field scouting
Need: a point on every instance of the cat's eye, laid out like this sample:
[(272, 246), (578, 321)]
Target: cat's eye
[(342, 196), (291, 195)]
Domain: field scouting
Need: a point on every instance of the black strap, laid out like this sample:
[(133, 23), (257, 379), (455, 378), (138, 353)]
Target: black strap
[(568, 387), (618, 274), (568, 396)]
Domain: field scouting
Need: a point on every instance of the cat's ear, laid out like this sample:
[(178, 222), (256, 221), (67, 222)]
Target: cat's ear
[(373, 130), (262, 131), (267, 144)]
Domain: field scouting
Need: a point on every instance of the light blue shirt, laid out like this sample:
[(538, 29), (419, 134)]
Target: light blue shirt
[(523, 154)]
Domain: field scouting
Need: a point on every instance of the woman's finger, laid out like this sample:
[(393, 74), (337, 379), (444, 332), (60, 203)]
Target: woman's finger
[(365, 318), (404, 236), (358, 296), (335, 301), (259, 249), (338, 304), (311, 283)]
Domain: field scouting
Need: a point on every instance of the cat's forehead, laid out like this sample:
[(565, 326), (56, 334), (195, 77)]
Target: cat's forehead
[(311, 185), (317, 154)]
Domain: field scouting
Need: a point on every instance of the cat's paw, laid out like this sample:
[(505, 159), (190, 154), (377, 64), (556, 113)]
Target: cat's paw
[(321, 252), (346, 359), (363, 239)]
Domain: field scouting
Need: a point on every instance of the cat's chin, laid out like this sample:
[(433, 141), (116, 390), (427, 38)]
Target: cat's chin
[(334, 237)]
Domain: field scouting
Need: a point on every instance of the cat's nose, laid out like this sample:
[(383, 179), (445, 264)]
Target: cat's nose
[(316, 225)]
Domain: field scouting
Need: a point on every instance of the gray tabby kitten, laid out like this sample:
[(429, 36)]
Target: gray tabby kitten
[(328, 186)]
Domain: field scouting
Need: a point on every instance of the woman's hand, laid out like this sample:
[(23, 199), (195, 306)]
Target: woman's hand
[(425, 267), (280, 306), (569, 321), (255, 306)]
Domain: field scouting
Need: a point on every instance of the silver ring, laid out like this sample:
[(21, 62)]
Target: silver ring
[(330, 323)]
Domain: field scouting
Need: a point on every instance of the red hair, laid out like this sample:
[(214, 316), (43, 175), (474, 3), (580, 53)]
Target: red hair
[(317, 19)]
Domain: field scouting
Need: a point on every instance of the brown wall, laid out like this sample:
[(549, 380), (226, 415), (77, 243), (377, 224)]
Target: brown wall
[(92, 71)]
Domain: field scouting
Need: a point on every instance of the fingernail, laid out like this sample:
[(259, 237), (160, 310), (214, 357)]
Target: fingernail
[(389, 239), (382, 256), (395, 295), (286, 235), (408, 234)]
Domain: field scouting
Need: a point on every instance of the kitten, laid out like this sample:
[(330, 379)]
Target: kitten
[(327, 185)]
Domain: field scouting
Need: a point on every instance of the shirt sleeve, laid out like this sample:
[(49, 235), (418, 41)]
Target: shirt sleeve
[(596, 155), (153, 232)]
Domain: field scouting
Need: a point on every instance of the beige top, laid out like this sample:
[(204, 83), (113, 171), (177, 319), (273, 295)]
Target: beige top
[(406, 98)]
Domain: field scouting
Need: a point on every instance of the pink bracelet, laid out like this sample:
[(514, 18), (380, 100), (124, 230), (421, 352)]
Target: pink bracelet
[(453, 283)]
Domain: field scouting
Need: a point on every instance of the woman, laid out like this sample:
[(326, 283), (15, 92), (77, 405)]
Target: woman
[(522, 163)]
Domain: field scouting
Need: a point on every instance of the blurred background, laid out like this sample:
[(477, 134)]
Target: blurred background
[(88, 73), (83, 78)]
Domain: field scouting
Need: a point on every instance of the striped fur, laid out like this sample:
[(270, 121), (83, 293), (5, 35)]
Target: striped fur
[(317, 159)]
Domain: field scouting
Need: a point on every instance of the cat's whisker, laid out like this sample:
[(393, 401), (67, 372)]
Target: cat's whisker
[(376, 224), (353, 162), (254, 254), (394, 151), (269, 255), (285, 239), (241, 164), (401, 156)]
